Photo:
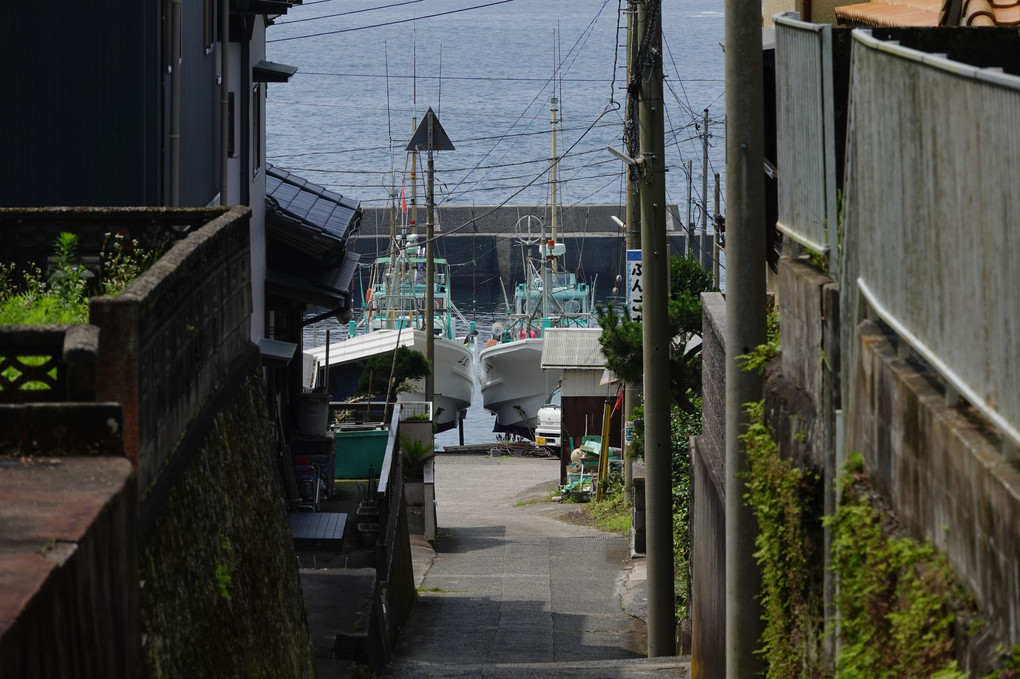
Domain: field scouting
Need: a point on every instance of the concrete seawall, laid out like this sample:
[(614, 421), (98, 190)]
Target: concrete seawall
[(483, 243)]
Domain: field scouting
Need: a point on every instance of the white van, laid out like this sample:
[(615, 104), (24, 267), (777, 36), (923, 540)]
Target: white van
[(547, 432)]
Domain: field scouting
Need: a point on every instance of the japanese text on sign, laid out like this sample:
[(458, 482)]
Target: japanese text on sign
[(635, 291)]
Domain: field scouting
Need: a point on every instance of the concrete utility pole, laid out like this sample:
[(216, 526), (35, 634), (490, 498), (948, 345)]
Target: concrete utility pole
[(431, 137), (430, 273), (704, 186), (689, 225), (716, 219), (632, 391), (656, 340), (745, 321)]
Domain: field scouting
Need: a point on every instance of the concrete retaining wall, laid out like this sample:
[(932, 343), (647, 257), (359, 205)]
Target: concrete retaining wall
[(708, 515), (222, 595), (942, 470), (69, 582), (194, 516)]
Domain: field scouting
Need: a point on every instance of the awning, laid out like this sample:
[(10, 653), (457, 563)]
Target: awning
[(271, 72), (276, 350)]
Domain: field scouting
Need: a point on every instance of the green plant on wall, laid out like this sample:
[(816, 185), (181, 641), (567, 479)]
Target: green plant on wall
[(761, 355), (786, 505), (224, 569), (897, 597), (416, 454)]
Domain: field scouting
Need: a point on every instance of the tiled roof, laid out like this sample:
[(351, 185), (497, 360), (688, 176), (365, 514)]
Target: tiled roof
[(321, 214), (929, 13), (891, 13), (994, 13)]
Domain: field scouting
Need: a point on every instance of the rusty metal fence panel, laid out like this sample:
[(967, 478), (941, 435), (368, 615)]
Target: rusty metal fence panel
[(932, 244), (805, 138)]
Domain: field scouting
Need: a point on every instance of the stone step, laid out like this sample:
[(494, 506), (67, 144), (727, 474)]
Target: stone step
[(678, 667)]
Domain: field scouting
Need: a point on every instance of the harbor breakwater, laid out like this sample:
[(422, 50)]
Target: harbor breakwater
[(484, 243)]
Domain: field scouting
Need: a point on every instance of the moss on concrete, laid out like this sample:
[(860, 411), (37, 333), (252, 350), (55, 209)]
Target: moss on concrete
[(221, 593)]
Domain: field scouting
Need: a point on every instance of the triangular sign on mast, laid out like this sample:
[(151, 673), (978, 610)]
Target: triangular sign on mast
[(430, 135)]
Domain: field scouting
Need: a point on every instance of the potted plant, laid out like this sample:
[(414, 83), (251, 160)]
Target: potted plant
[(368, 533), (416, 456), (368, 508)]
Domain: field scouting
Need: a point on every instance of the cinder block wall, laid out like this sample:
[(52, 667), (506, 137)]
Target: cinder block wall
[(171, 336), (220, 591)]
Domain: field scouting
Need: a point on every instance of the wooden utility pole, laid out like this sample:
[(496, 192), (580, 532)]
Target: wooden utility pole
[(745, 325), (656, 340)]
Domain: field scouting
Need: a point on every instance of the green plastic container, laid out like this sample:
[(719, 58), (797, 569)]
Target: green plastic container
[(359, 453)]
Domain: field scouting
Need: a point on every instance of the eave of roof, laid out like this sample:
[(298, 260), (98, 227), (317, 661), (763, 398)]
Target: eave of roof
[(309, 216)]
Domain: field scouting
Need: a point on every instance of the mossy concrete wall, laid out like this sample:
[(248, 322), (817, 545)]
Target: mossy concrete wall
[(222, 594), (942, 470), (708, 515), (939, 468)]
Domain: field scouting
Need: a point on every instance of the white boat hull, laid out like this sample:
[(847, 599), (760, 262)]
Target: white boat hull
[(454, 368), (514, 385)]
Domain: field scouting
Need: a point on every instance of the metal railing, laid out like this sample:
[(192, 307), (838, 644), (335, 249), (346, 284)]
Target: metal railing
[(805, 135), (930, 241)]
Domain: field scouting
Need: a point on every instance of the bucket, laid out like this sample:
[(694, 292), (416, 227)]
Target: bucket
[(311, 413)]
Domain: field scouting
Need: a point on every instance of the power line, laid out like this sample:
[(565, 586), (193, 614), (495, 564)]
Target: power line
[(341, 14), (391, 23)]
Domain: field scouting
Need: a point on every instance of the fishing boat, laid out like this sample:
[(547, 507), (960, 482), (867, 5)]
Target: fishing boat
[(408, 304), (395, 315), (513, 384)]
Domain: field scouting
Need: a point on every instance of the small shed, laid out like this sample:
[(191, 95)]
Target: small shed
[(584, 389)]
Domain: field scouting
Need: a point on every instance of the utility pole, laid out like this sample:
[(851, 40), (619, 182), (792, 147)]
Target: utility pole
[(745, 321), (632, 391), (716, 242), (430, 274), (688, 225), (656, 340), (704, 187), (430, 136)]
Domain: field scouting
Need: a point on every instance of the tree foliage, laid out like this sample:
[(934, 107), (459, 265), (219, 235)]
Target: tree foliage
[(621, 338), (375, 378)]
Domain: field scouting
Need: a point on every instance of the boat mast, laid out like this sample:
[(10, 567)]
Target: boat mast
[(414, 128), (553, 181)]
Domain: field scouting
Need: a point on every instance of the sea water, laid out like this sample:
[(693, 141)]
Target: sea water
[(367, 68), (344, 119)]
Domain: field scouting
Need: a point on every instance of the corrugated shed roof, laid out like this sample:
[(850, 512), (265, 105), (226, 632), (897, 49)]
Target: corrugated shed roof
[(572, 348)]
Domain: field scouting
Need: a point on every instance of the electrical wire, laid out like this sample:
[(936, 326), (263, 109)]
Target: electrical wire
[(391, 23), (343, 14)]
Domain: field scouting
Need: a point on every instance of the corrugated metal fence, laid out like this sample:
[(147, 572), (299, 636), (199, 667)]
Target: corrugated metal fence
[(805, 137), (933, 159)]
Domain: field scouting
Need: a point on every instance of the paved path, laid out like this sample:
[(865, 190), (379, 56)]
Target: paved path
[(512, 591)]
